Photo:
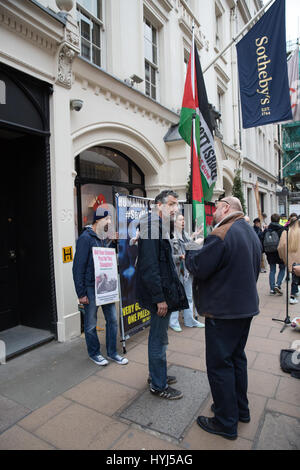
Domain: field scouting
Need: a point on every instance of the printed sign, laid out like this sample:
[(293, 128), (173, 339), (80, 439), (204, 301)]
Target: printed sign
[(106, 275)]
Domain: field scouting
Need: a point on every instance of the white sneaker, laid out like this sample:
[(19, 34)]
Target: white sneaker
[(293, 301), (198, 324), (99, 360), (119, 359)]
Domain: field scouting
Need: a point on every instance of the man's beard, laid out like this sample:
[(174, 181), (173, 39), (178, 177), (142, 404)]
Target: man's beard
[(102, 230)]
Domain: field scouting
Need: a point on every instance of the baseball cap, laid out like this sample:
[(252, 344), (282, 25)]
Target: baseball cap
[(100, 213)]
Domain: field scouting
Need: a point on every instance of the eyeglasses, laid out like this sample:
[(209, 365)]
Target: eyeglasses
[(221, 200)]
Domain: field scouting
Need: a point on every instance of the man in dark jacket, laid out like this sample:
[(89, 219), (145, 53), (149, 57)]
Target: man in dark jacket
[(225, 273), (84, 279), (273, 256), (158, 289)]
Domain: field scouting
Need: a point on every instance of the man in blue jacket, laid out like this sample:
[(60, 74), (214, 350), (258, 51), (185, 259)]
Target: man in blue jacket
[(84, 279), (225, 270)]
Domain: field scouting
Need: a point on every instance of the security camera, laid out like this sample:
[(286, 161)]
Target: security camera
[(76, 105)]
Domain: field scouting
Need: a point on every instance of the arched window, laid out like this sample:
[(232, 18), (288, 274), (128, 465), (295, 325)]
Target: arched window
[(101, 173)]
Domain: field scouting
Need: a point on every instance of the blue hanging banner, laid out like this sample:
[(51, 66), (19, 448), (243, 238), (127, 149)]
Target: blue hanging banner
[(262, 67)]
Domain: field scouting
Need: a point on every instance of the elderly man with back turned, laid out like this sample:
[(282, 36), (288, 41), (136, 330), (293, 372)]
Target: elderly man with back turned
[(225, 270)]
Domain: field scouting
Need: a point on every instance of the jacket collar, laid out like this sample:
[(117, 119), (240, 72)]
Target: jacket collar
[(233, 215)]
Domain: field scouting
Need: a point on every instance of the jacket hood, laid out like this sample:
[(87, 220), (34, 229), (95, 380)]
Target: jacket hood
[(275, 226), (88, 230)]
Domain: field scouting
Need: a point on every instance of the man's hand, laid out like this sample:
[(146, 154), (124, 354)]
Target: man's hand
[(162, 309), (296, 270), (84, 300), (199, 241)]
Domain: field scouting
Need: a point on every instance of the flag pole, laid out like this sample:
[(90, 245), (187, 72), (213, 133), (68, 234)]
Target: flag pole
[(193, 120), (262, 10)]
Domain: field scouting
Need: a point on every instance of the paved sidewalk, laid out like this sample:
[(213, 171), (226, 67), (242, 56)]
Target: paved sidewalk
[(54, 397)]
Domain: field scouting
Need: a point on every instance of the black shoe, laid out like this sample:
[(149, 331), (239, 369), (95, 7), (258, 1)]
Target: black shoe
[(171, 379), (170, 393), (210, 425), (241, 418)]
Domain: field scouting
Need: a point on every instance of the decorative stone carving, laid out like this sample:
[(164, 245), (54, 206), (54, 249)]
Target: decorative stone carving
[(65, 5), (72, 37), (65, 60)]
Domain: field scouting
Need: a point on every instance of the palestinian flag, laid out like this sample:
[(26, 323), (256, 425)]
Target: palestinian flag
[(198, 207), (195, 103)]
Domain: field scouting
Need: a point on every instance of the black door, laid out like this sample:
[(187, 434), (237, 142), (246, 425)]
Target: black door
[(26, 293), (9, 315)]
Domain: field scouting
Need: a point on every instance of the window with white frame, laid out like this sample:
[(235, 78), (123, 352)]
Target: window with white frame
[(219, 27), (221, 108), (90, 22), (186, 58), (151, 59)]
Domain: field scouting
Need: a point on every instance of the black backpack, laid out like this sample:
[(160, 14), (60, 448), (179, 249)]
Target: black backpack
[(271, 241), (290, 362)]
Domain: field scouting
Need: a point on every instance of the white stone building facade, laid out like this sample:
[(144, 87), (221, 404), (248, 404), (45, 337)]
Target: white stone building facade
[(123, 63)]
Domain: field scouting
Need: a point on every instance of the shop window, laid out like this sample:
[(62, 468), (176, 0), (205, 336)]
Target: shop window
[(103, 164), (90, 22), (101, 173)]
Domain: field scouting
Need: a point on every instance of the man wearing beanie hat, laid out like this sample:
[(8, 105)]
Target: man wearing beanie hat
[(84, 279)]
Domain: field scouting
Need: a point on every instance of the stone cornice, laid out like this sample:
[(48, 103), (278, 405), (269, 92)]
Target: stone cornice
[(115, 90), (26, 20), (57, 36), (244, 10), (167, 4), (186, 20), (249, 163)]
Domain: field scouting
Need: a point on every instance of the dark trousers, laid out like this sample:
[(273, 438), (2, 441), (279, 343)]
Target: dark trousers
[(227, 369)]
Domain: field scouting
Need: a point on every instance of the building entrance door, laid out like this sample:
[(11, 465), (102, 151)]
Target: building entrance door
[(9, 316), (27, 286)]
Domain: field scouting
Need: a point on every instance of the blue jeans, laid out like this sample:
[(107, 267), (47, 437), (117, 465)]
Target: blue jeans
[(157, 349), (279, 277), (187, 313), (90, 323)]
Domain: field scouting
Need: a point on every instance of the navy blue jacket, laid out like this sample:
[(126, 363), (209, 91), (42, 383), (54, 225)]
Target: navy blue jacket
[(156, 277), (226, 270), (83, 265)]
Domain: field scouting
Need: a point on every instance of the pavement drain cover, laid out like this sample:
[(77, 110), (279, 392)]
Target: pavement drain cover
[(171, 417)]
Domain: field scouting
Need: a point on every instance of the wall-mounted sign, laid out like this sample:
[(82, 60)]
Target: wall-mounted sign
[(67, 252)]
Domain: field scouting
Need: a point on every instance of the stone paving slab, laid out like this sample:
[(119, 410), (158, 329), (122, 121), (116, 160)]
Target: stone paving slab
[(279, 432), (51, 397), (11, 413), (170, 417), (53, 370)]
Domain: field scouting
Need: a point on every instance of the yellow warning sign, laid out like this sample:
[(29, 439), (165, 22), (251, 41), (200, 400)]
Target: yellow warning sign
[(67, 254)]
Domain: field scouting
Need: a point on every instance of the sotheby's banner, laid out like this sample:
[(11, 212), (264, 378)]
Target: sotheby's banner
[(262, 67)]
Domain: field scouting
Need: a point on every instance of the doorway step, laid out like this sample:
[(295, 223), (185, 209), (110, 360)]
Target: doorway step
[(22, 338)]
